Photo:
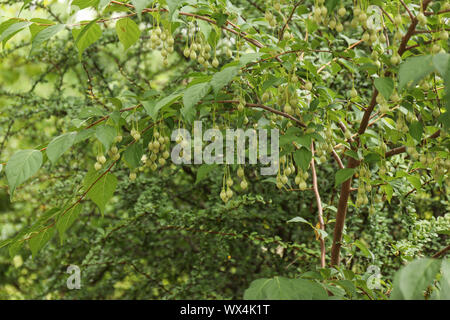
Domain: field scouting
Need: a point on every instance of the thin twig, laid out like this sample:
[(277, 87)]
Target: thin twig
[(319, 208)]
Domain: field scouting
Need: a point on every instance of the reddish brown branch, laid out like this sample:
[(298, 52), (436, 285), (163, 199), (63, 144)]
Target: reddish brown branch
[(257, 105), (280, 36), (319, 209), (352, 163), (402, 149), (442, 252)]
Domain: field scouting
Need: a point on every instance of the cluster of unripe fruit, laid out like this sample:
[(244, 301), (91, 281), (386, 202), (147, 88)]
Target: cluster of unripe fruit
[(113, 153), (324, 149), (300, 179), (288, 169), (158, 151), (384, 106), (201, 51), (439, 165), (270, 18), (162, 38), (226, 193), (364, 187), (287, 98), (320, 14)]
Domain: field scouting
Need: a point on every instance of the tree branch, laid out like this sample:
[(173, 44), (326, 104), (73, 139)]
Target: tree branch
[(352, 163), (402, 149), (319, 209), (280, 36)]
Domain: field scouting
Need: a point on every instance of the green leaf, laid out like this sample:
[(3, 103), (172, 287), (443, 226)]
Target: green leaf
[(203, 171), (385, 86), (85, 3), (22, 165), (66, 219), (153, 108), (414, 69), (132, 155), (59, 145), (364, 249), (86, 36), (8, 23), (304, 141), (25, 3), (222, 78), (173, 5), (139, 5), (12, 30), (128, 32), (301, 220), (411, 281), (249, 57), (103, 189), (416, 130), (441, 63), (280, 288), (192, 96), (445, 280), (387, 188), (343, 175), (331, 4), (302, 158), (44, 35), (220, 18), (415, 181), (353, 154), (39, 240), (205, 28), (106, 134), (37, 26), (103, 4)]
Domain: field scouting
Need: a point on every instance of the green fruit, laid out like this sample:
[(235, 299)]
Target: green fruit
[(308, 85), (436, 112), (365, 37), (395, 59), (287, 109), (302, 186), (422, 19), (332, 24), (223, 195), (384, 108)]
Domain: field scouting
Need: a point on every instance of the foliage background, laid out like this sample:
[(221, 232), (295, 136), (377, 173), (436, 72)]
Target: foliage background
[(163, 236)]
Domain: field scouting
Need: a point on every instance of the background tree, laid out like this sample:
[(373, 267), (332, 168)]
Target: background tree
[(92, 90)]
